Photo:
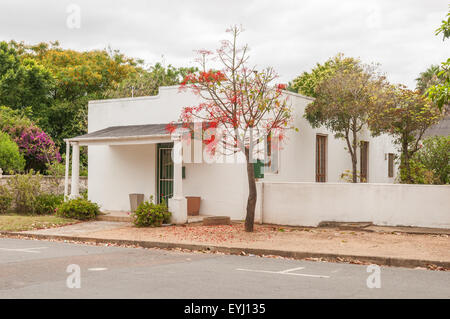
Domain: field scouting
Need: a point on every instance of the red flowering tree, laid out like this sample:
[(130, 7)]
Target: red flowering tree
[(243, 104)]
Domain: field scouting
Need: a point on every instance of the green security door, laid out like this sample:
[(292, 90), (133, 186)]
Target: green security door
[(165, 171)]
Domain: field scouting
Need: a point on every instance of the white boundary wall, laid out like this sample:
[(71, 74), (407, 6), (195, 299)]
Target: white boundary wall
[(307, 204)]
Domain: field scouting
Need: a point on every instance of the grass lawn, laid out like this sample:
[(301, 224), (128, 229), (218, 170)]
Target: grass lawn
[(11, 222)]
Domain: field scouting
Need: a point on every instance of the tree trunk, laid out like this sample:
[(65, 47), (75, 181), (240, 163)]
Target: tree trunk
[(354, 168), (354, 158), (405, 160), (352, 147), (252, 195)]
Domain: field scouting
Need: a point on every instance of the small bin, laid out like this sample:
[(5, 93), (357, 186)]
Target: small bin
[(193, 205), (135, 201)]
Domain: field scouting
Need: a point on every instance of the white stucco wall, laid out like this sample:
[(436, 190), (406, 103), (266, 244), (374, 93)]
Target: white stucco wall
[(116, 171), (307, 204)]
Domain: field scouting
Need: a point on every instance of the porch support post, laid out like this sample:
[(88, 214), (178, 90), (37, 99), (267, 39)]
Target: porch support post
[(66, 176), (75, 187), (178, 203)]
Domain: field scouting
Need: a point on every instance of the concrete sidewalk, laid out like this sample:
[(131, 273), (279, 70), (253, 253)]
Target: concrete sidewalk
[(381, 245)]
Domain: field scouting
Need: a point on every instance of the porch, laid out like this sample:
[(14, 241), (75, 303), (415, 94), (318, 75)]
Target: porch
[(119, 140)]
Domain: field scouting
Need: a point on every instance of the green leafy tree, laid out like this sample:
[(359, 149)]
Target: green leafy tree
[(342, 104), (23, 82), (444, 28), (428, 78), (11, 160), (440, 93), (405, 115), (78, 78), (12, 118), (307, 83), (79, 73)]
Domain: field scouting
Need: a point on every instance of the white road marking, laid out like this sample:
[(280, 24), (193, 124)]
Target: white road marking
[(26, 250), (292, 269), (285, 272), (97, 269)]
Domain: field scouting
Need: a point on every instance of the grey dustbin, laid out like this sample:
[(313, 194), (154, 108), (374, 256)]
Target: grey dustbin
[(135, 201)]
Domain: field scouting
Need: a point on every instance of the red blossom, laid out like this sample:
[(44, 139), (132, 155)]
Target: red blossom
[(281, 86), (171, 128)]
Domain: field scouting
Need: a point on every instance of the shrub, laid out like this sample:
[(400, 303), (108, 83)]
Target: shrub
[(434, 155), (25, 189), (347, 176), (150, 214), (78, 208), (47, 203), (419, 173), (11, 160), (56, 172), (84, 193), (37, 147), (5, 199)]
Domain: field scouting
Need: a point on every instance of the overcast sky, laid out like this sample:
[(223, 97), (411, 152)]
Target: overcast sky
[(291, 36)]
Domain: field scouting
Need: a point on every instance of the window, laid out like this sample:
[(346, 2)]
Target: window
[(321, 158), (364, 161), (272, 153), (390, 165)]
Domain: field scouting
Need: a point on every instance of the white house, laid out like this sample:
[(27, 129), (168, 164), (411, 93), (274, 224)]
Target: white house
[(128, 147)]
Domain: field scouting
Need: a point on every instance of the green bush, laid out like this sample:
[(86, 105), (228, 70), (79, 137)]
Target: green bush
[(46, 204), (419, 173), (150, 214), (11, 160), (25, 189), (5, 199), (78, 208), (434, 156), (84, 193)]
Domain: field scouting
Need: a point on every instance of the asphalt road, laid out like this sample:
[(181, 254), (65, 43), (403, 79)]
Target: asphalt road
[(38, 269)]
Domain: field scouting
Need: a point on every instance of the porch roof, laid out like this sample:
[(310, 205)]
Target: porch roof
[(128, 134)]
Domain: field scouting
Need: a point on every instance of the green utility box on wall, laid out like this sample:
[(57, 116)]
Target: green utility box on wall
[(258, 168)]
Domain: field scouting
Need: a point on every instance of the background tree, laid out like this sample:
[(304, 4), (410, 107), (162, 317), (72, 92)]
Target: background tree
[(147, 82), (23, 82), (444, 28), (342, 104), (440, 93), (405, 115), (307, 83), (77, 78), (428, 78), (53, 85), (239, 100)]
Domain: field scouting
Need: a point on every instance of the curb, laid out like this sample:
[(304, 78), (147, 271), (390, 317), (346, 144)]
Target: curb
[(330, 257)]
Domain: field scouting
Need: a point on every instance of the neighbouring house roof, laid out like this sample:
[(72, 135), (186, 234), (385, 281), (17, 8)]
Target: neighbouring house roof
[(442, 128)]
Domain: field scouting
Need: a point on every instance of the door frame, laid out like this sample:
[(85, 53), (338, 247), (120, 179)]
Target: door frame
[(324, 156), (159, 148), (364, 162)]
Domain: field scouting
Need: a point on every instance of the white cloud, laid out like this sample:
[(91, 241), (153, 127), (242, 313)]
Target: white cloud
[(288, 35)]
